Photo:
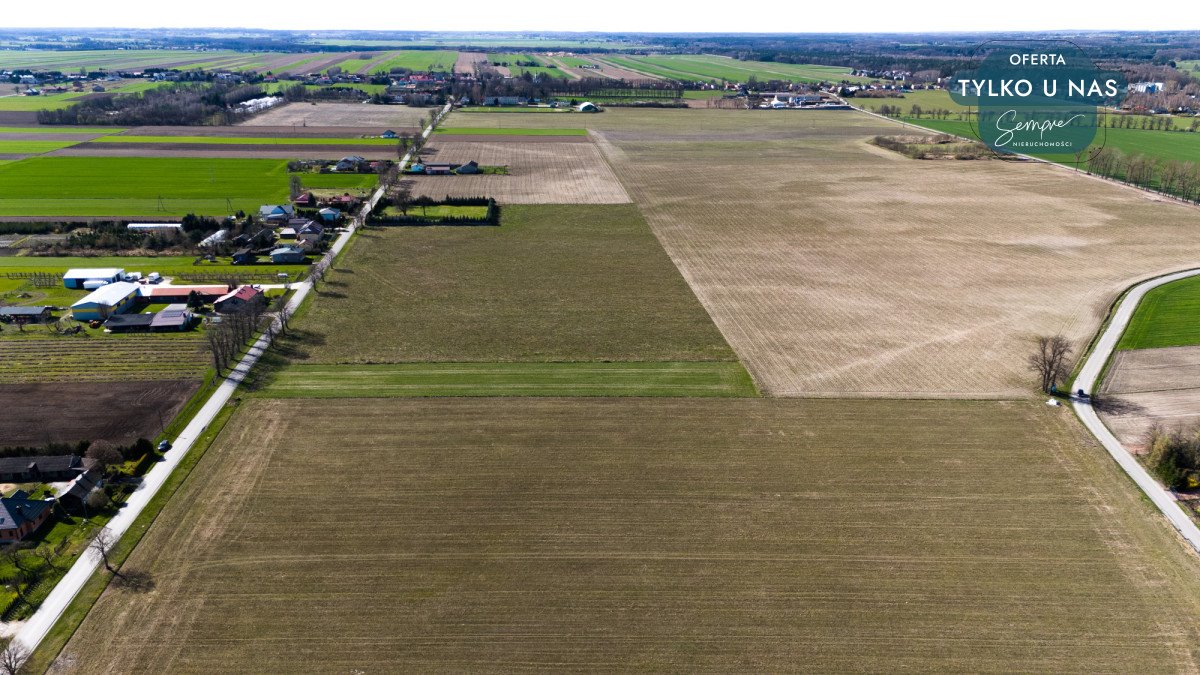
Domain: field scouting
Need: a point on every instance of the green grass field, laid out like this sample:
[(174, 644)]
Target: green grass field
[(32, 147), (693, 379), (122, 186), (339, 181), (710, 68), (62, 130), (512, 58), (1168, 316), (242, 140), (512, 131), (551, 283), (1165, 145), (417, 61)]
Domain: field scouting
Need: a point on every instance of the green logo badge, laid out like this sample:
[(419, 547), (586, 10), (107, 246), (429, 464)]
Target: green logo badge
[(1037, 97)]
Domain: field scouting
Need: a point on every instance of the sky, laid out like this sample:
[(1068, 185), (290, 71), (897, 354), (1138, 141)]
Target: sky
[(777, 16)]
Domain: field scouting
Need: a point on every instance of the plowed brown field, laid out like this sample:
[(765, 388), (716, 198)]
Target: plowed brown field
[(670, 535)]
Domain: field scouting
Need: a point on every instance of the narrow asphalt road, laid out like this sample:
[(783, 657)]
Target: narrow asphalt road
[(1087, 381), (34, 630)]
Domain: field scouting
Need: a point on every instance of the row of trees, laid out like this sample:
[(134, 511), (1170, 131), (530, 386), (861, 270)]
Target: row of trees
[(178, 105), (1175, 177), (226, 338)]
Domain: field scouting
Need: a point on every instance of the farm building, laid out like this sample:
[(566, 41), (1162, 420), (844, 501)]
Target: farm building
[(46, 469), (154, 227), (238, 300), (128, 323), (432, 169), (214, 238), (305, 199), (181, 293), (330, 215), (172, 317), (388, 134), (244, 256), (21, 516), (288, 255), (74, 497), (587, 106), (287, 233), (76, 278), (468, 168), (39, 314), (114, 298)]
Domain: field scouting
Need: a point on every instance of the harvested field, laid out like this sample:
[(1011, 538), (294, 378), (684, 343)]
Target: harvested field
[(108, 359), (616, 72), (665, 534), (392, 117), (66, 412), (538, 173), (1145, 387), (551, 283), (466, 62), (800, 252)]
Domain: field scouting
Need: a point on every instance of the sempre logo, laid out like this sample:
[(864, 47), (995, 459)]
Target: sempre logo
[(1037, 97)]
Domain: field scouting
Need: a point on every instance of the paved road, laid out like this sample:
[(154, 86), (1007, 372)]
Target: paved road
[(1162, 498), (35, 629)]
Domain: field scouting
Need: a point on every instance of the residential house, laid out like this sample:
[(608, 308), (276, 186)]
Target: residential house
[(432, 169), (351, 163), (114, 298), (244, 256), (330, 215), (287, 234), (288, 255), (240, 299), (310, 233), (21, 516), (76, 278), (305, 199), (276, 212)]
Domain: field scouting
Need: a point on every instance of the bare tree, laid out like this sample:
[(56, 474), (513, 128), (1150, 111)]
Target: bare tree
[(101, 546), (105, 454), (1049, 360), (13, 657)]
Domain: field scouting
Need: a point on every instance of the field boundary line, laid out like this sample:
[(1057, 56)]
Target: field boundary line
[(1086, 381)]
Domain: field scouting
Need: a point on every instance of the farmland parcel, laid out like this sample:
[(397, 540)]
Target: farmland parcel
[(638, 534), (552, 283), (835, 268), (120, 186)]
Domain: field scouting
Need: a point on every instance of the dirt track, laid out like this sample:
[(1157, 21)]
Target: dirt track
[(260, 131)]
